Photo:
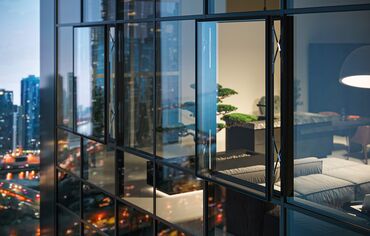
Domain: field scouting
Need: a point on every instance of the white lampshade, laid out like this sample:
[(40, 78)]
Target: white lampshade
[(356, 68)]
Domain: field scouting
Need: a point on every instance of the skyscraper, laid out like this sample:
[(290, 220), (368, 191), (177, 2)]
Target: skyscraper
[(30, 102), (6, 121)]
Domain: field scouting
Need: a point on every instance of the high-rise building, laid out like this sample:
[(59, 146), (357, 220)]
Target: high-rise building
[(6, 121), (30, 102)]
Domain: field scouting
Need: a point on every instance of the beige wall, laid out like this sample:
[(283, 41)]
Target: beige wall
[(241, 66)]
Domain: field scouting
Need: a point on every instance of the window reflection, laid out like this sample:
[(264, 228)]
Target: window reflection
[(233, 213), (69, 151), (231, 92), (68, 224), (65, 77), (89, 71), (179, 7), (69, 11), (311, 3), (175, 131), (98, 210), (133, 222), (135, 9), (112, 84), (98, 10), (90, 231), (99, 165), (224, 6), (69, 191), (179, 199), (332, 119), (138, 85), (165, 230), (300, 224), (136, 181)]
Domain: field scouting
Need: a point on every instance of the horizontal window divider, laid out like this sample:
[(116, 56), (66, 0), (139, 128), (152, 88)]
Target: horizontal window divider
[(82, 135), (160, 161), (138, 153), (234, 186), (81, 220)]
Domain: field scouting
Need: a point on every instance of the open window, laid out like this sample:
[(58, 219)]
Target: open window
[(236, 102)]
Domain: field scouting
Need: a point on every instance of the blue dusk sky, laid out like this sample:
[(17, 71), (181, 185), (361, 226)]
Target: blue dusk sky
[(19, 43)]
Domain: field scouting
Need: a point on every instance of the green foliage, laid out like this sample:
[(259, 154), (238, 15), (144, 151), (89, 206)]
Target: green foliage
[(221, 126), (224, 93), (225, 108), (238, 119)]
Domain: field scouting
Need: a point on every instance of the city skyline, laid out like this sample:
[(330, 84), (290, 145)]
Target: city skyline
[(20, 45)]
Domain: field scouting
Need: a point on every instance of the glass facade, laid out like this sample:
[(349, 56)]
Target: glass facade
[(213, 118)]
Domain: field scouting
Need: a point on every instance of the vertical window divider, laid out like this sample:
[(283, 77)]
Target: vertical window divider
[(82, 156), (269, 148), (154, 94)]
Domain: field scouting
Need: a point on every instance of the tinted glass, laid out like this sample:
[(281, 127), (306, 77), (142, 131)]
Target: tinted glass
[(89, 72), (69, 11), (69, 192), (98, 10), (179, 7), (314, 3), (68, 224), (179, 199), (224, 6), (69, 151), (165, 230), (138, 86), (98, 209), (65, 77), (332, 113), (231, 92), (135, 9), (233, 213), (112, 114), (300, 224), (175, 131), (134, 223), (99, 165), (90, 231), (136, 181)]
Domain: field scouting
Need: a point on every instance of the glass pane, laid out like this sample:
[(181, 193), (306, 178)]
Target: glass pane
[(136, 181), (69, 151), (98, 209), (277, 104), (68, 224), (69, 192), (65, 77), (179, 7), (300, 224), (231, 84), (90, 231), (138, 86), (224, 6), (315, 3), (69, 11), (135, 9), (112, 84), (332, 113), (234, 213), (98, 10), (175, 131), (165, 230), (179, 199), (134, 223), (99, 165), (89, 72)]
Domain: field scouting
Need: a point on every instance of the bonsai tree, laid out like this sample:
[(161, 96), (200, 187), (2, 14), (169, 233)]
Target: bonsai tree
[(224, 110)]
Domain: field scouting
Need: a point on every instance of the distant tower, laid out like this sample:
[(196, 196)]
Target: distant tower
[(6, 121), (30, 102)]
